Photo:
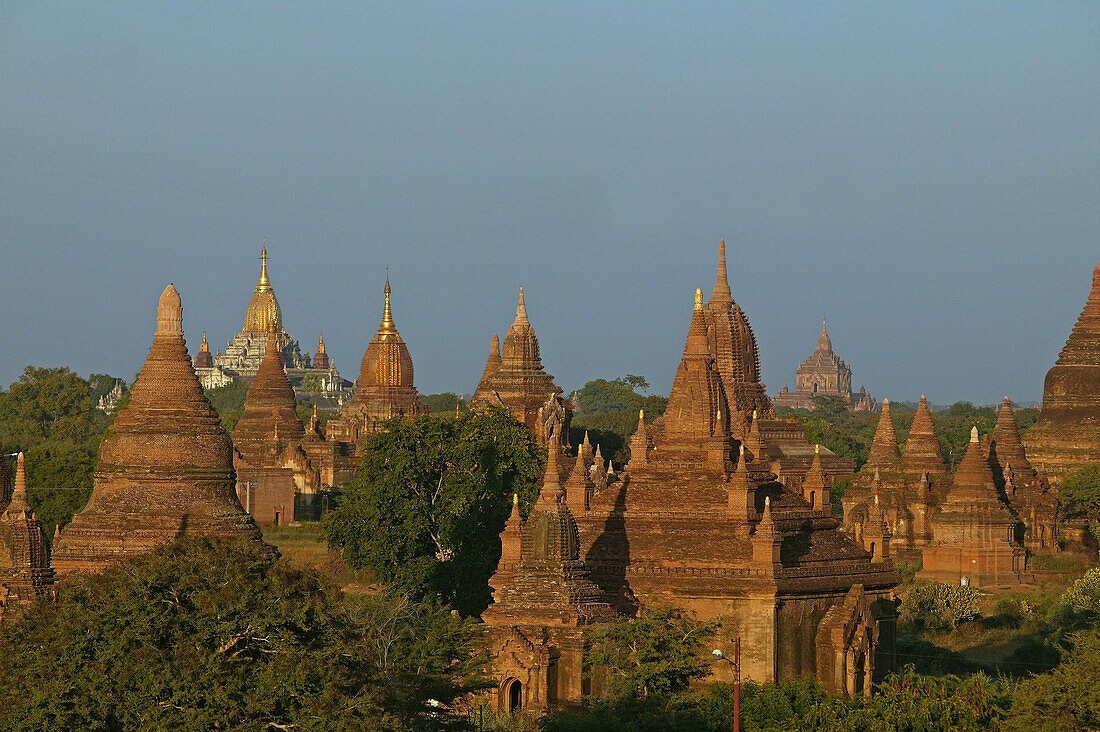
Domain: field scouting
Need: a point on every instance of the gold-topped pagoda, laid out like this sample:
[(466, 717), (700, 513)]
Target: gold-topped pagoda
[(385, 386)]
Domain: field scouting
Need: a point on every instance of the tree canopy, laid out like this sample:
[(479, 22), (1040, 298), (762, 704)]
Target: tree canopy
[(430, 498), (205, 634)]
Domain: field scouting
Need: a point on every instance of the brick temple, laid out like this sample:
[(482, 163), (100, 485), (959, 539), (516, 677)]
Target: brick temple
[(515, 379), (25, 571), (720, 511), (824, 373)]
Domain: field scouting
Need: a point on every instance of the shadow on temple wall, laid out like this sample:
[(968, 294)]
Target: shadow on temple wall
[(609, 556)]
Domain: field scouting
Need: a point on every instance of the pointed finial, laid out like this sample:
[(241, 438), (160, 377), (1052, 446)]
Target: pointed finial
[(754, 415), (19, 494), (721, 293), (494, 346), (515, 499), (817, 449), (321, 343), (974, 433), (263, 265), (170, 313), (204, 346), (521, 310), (387, 326), (698, 299)]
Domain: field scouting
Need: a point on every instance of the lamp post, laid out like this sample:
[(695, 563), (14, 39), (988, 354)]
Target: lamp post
[(736, 664)]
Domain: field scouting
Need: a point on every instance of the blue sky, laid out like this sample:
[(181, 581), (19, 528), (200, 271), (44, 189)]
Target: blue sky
[(925, 174)]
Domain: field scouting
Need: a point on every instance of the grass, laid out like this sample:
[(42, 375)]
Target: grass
[(304, 546)]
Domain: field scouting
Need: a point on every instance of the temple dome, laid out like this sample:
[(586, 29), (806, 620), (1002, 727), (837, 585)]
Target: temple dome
[(263, 314), (387, 361)]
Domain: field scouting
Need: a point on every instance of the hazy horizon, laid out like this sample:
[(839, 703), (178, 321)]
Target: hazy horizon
[(923, 175)]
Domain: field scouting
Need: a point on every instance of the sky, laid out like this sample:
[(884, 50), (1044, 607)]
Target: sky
[(926, 174)]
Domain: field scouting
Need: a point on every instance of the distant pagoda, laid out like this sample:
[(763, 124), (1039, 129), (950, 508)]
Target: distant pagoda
[(824, 373)]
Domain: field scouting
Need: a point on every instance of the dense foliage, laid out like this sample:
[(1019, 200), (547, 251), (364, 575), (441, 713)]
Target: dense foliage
[(937, 606), (51, 414), (228, 402), (430, 498), (213, 635), (608, 412), (1080, 492), (656, 654), (444, 403)]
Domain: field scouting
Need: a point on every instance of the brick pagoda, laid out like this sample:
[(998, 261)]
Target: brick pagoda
[(1067, 434), (516, 380), (165, 469), (25, 571)]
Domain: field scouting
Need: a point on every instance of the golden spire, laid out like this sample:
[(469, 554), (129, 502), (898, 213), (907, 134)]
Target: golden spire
[(387, 327), (263, 266), (204, 346), (321, 343), (698, 299)]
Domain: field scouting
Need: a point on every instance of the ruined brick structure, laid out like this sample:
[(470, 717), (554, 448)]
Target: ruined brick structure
[(25, 571), (1067, 434), (700, 519), (516, 380), (165, 468), (824, 373), (907, 488), (973, 532), (385, 387), (276, 480)]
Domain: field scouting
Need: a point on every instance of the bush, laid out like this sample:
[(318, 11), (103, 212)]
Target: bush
[(1084, 594), (937, 606)]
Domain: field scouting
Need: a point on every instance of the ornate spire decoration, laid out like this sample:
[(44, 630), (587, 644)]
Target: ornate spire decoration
[(824, 343), (263, 313), (551, 493), (204, 346), (320, 343), (521, 311)]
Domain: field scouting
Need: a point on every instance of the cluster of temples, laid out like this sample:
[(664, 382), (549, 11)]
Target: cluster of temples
[(723, 509), (824, 373)]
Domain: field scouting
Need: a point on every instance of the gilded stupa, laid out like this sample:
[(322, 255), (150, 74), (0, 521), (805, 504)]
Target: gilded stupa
[(245, 351)]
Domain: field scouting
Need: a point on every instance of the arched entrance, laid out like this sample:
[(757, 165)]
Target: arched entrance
[(514, 695)]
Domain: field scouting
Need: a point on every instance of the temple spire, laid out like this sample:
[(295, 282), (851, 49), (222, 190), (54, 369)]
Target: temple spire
[(551, 492), (387, 326), (721, 294), (19, 494), (263, 266), (824, 343), (170, 313), (521, 311)]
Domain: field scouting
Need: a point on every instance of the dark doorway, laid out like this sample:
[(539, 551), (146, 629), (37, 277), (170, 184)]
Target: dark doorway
[(515, 696)]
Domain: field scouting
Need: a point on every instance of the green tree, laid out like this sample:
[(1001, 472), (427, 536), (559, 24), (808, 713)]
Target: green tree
[(59, 483), (443, 403), (228, 402), (430, 498), (204, 634), (1080, 492), (1067, 698), (654, 655), (311, 384), (49, 405)]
